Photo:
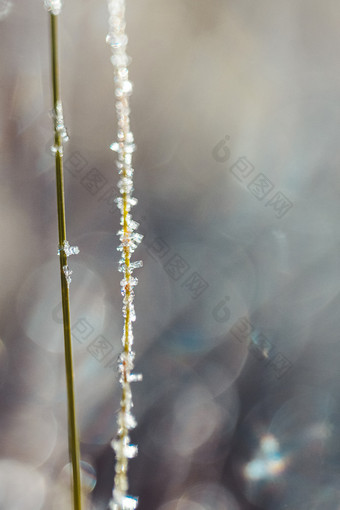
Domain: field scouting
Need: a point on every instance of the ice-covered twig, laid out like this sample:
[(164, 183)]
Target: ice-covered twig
[(129, 240)]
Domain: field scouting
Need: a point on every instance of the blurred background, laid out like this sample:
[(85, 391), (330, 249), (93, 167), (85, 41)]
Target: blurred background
[(236, 116)]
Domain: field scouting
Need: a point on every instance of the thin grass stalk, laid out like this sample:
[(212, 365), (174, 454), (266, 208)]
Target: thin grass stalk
[(64, 251), (129, 240)]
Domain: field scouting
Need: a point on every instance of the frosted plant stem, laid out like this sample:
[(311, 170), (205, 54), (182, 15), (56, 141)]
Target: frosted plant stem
[(64, 251), (129, 240)]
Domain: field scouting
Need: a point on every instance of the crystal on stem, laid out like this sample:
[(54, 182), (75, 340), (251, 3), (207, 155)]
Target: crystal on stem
[(53, 6), (129, 241), (67, 273), (68, 250)]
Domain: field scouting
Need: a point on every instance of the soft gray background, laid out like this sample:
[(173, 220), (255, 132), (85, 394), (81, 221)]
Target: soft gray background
[(222, 424)]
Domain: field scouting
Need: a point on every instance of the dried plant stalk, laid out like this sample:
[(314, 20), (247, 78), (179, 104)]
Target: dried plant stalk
[(64, 251), (129, 240)]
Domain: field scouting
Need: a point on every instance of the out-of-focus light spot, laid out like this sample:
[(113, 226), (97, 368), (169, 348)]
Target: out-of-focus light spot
[(21, 486), (319, 431), (30, 434), (5, 8), (40, 376), (196, 419), (88, 475), (97, 421), (203, 497), (261, 344), (27, 103), (210, 496), (268, 463), (269, 444), (203, 324), (187, 504)]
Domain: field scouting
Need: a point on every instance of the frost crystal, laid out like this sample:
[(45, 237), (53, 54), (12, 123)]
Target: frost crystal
[(54, 6), (124, 450), (59, 127), (67, 273), (129, 241), (68, 250), (124, 503), (135, 377)]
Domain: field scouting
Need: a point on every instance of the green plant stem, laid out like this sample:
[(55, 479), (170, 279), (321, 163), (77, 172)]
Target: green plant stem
[(74, 449)]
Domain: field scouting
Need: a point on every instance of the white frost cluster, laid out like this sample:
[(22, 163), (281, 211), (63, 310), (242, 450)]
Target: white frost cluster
[(54, 6), (59, 128), (129, 241), (68, 250), (67, 273), (125, 502)]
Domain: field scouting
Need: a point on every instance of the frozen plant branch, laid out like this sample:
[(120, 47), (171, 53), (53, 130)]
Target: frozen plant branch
[(129, 240)]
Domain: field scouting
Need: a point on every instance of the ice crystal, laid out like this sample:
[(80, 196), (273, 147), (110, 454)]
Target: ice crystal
[(129, 241), (123, 503), (68, 250), (122, 449), (59, 128), (133, 265), (67, 273), (59, 121), (54, 6), (135, 377)]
